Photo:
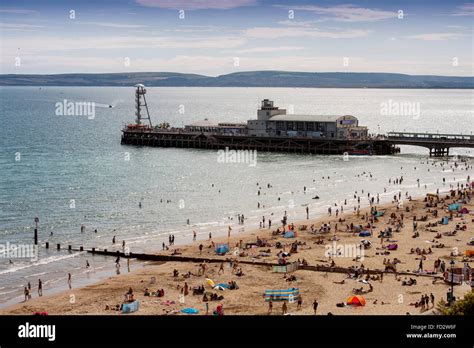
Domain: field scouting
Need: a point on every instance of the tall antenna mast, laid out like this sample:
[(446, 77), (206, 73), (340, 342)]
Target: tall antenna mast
[(139, 94)]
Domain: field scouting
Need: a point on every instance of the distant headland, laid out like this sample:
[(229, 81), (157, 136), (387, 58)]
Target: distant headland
[(243, 79)]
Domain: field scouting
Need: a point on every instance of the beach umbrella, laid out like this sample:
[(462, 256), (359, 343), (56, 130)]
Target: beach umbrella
[(356, 300)]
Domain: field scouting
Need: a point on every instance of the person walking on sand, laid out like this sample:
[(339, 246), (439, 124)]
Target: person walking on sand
[(315, 306), (69, 280), (270, 307), (300, 302), (221, 268), (284, 308), (200, 249), (432, 299), (40, 288)]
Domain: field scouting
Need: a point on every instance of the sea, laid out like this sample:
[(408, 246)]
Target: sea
[(66, 167)]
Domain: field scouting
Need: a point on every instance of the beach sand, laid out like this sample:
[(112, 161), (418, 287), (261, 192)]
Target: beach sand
[(388, 297)]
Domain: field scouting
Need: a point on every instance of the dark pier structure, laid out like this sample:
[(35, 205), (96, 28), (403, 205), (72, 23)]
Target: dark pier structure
[(323, 146), (276, 131)]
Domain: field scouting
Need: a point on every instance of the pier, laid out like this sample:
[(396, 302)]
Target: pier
[(275, 130), (437, 144), (214, 141)]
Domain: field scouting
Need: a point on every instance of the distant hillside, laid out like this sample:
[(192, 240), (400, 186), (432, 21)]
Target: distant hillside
[(244, 79)]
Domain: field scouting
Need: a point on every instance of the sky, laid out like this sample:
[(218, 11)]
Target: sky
[(224, 36)]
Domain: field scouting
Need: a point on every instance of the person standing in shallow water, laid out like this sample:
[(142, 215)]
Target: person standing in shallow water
[(69, 280), (40, 288)]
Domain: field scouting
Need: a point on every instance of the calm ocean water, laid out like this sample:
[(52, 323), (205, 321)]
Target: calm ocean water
[(72, 171)]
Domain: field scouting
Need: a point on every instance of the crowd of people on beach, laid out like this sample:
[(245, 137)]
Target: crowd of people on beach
[(283, 253)]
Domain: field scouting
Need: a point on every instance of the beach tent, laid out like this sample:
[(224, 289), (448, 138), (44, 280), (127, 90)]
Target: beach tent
[(282, 295), (190, 311), (222, 249), (131, 307), (364, 234), (289, 234), (454, 207), (445, 220), (356, 301)]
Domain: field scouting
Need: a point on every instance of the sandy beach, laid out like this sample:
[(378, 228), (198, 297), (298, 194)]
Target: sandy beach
[(384, 295)]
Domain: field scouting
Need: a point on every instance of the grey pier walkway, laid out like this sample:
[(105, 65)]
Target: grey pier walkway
[(438, 144)]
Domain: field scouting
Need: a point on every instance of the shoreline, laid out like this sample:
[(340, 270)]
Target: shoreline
[(116, 286)]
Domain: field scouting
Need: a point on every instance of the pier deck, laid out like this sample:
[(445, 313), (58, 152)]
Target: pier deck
[(438, 144), (324, 146)]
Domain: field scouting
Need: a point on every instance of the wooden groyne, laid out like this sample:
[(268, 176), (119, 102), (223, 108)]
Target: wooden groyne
[(328, 269), (194, 259)]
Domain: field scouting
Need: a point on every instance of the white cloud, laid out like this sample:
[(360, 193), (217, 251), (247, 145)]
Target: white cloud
[(117, 25), (269, 49), (293, 23), (436, 36), (196, 4), (273, 33), (48, 44), (19, 26), (17, 11), (346, 13), (464, 10)]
